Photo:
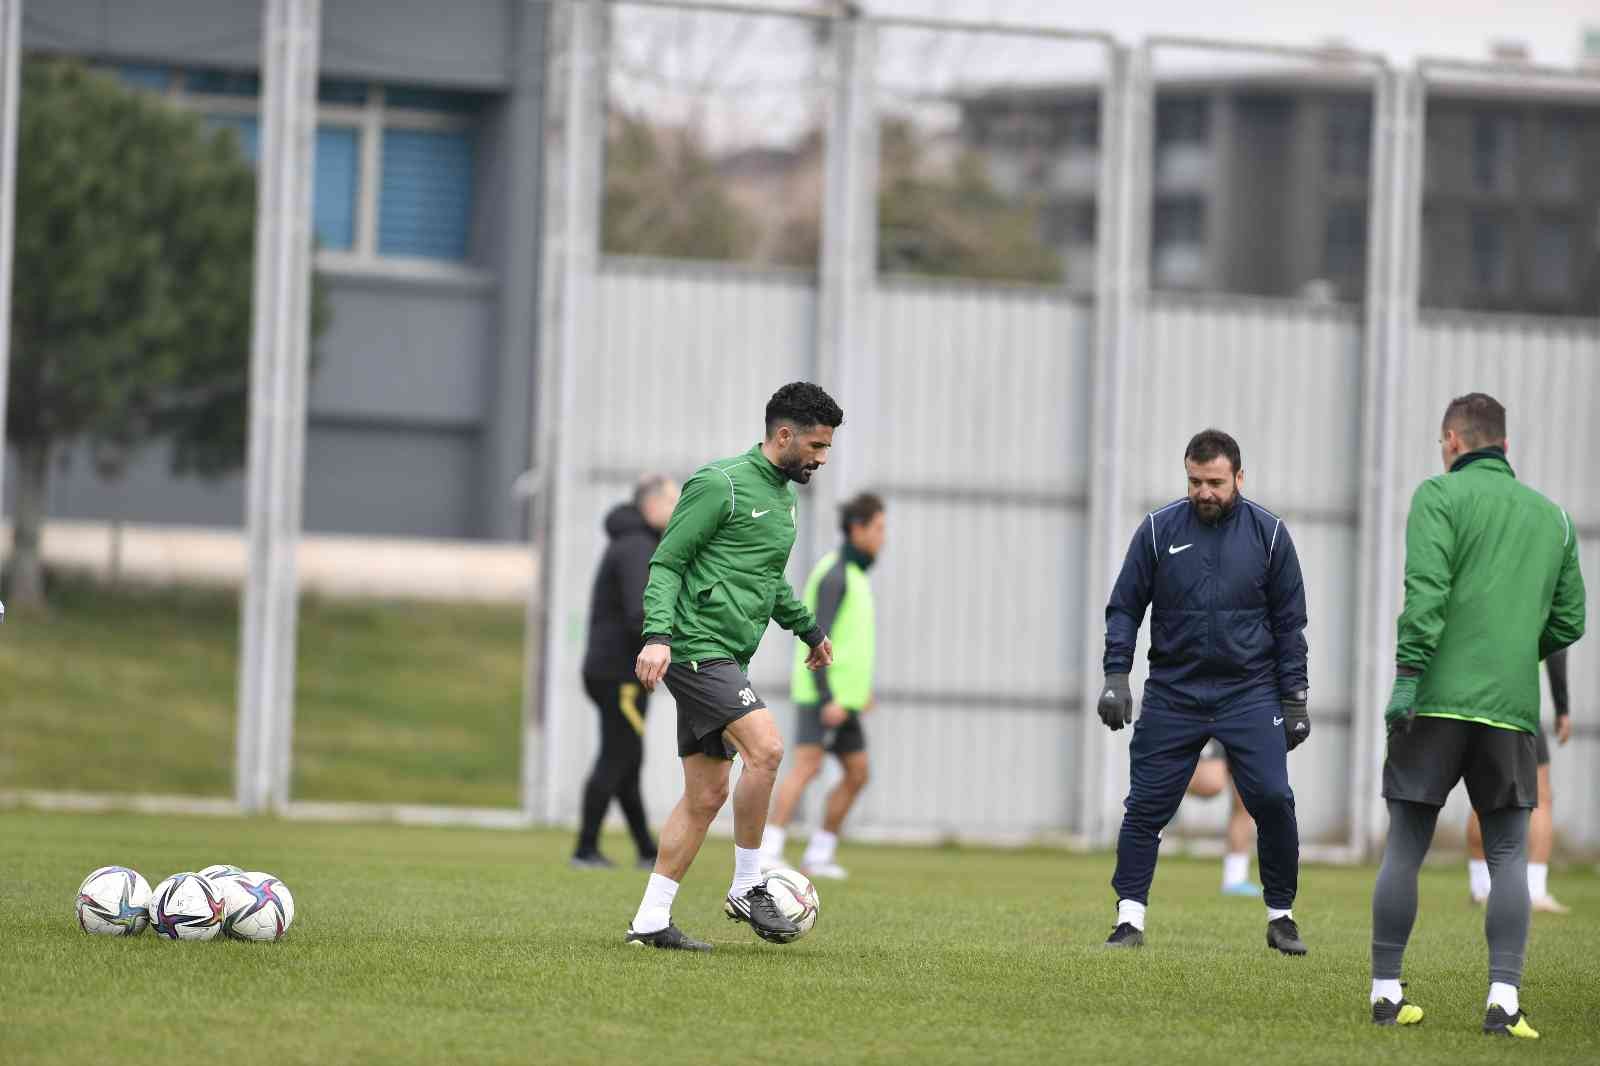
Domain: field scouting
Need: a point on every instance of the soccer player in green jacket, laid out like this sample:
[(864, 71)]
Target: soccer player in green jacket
[(716, 580), (1492, 587)]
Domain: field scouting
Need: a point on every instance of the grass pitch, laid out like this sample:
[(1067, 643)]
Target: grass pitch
[(450, 945)]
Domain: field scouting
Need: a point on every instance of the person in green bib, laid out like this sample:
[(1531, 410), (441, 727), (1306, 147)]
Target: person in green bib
[(829, 702), (1492, 587)]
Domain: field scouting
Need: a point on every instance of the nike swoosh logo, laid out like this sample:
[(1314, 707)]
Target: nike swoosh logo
[(1277, 721), (1175, 551), (758, 514)]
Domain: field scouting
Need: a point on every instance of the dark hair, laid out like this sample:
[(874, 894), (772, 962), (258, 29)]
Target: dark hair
[(1210, 443), (1478, 417), (859, 510), (804, 406)]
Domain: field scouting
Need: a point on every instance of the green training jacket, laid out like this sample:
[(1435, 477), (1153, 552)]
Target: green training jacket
[(840, 595), (716, 579), (1492, 587)]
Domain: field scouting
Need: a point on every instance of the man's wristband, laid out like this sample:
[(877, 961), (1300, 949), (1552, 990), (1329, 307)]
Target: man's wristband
[(658, 638), (813, 636)]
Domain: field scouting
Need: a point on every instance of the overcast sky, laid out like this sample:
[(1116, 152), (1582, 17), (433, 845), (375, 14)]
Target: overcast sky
[(1401, 29)]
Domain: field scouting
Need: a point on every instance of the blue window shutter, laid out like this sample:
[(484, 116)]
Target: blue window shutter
[(425, 199), (140, 76), (248, 129), (336, 91), (418, 98), (338, 183)]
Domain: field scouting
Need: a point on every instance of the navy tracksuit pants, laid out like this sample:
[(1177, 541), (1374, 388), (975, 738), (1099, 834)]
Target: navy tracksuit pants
[(1166, 746)]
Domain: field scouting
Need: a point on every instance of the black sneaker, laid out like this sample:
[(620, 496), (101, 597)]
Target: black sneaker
[(1284, 935), (1125, 936), (757, 909), (591, 860), (671, 937), (1403, 1013), (1496, 1022)]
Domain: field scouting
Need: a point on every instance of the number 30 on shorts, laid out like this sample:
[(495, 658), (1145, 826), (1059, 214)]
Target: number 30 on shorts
[(747, 696)]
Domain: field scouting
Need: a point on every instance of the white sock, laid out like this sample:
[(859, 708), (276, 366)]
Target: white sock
[(1478, 877), (655, 910), (820, 849), (1130, 913), (746, 870), (1386, 988), (1503, 996), (773, 838), (1538, 879), (1273, 914), (1235, 868)]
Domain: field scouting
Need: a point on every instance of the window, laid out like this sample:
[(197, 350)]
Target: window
[(395, 166), (1181, 120), (1349, 139), (1491, 268), (1179, 221), (1344, 249), (1558, 163), (425, 206), (137, 76), (1083, 125), (1552, 258), (1494, 150)]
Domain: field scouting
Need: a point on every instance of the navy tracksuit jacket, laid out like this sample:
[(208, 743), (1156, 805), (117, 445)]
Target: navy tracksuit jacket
[(1227, 642)]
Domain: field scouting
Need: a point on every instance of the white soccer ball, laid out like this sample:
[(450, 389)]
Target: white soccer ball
[(220, 870), (795, 896), (114, 901), (186, 906), (256, 906)]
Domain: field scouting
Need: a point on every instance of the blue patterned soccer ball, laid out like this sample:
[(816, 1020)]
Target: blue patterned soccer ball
[(257, 906), (113, 901), (186, 906)]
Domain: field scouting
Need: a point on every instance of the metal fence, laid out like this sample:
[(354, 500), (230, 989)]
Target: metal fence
[(1017, 430)]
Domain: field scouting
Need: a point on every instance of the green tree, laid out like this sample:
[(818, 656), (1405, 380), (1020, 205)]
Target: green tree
[(956, 225), (663, 196), (132, 306)]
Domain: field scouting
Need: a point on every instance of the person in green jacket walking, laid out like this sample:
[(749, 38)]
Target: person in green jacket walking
[(716, 580), (1492, 587), (829, 703)]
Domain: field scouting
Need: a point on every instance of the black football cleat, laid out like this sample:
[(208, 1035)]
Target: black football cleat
[(671, 938), (590, 860), (1284, 935), (1125, 935), (1405, 1012), (757, 909), (1496, 1022)]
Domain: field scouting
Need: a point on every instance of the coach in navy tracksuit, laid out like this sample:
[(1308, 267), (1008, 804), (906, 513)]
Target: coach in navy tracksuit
[(1227, 660)]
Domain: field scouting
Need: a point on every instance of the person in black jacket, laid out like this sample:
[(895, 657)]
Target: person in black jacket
[(616, 632), (1221, 578)]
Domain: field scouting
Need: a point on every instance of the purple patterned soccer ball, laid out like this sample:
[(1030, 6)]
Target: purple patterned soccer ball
[(256, 905), (186, 906), (113, 901)]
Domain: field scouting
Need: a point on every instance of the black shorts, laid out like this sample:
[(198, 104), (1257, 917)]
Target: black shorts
[(1500, 766), (1542, 748), (711, 695), (1213, 750), (844, 739)]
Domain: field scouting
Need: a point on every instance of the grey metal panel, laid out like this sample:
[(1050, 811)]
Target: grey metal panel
[(405, 352), (984, 386), (1546, 372), (393, 40), (1282, 377), (396, 482), (146, 492)]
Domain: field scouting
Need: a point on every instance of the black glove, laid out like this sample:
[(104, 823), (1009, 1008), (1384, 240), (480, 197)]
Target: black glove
[(1296, 720), (1116, 702)]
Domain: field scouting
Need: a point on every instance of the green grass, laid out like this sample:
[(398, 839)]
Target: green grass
[(133, 690), (425, 946)]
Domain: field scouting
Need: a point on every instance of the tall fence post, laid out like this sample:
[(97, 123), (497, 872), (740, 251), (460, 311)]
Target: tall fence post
[(847, 272), (574, 144), (279, 352), (10, 87)]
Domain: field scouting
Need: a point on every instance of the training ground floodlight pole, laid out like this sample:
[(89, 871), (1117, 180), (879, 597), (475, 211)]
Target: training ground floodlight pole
[(10, 62)]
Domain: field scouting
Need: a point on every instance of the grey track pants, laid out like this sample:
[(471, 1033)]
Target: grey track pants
[(1394, 897)]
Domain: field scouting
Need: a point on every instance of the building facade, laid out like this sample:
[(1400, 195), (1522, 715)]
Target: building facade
[(426, 213)]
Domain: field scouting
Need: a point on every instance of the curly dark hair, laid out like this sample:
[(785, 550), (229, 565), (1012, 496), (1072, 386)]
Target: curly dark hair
[(1210, 443), (803, 406)]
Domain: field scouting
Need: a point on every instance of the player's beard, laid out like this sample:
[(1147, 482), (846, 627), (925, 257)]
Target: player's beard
[(796, 469), (1212, 514)]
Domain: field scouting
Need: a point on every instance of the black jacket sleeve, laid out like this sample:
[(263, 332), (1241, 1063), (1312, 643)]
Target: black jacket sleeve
[(633, 574), (1286, 611), (1130, 598), (1556, 667), (830, 595)]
